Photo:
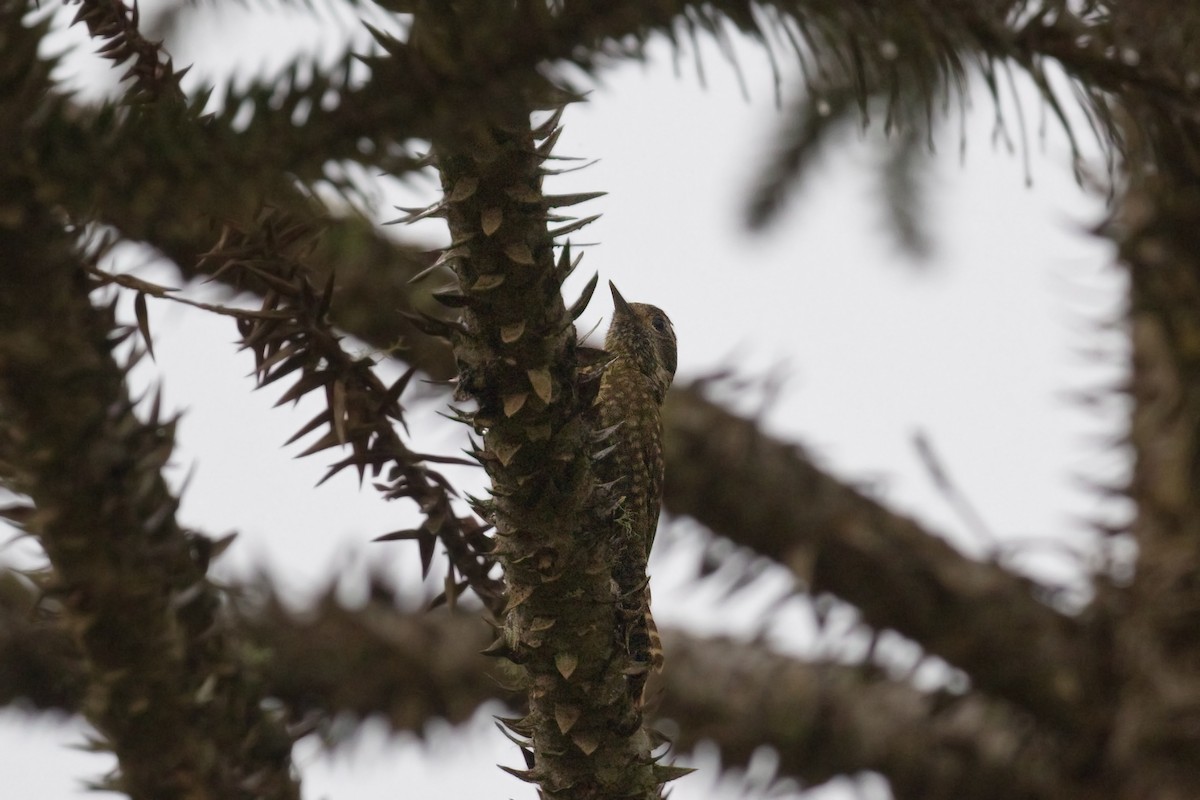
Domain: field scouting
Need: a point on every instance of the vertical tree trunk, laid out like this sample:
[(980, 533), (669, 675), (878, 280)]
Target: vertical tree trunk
[(168, 693), (1156, 733), (517, 361)]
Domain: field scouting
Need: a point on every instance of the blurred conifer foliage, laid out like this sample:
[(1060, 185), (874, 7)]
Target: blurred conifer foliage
[(200, 692)]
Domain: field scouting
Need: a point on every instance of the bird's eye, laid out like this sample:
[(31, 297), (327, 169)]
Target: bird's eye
[(659, 324)]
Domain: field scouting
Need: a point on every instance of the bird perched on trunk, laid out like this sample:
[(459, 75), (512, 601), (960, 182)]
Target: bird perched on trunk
[(641, 343)]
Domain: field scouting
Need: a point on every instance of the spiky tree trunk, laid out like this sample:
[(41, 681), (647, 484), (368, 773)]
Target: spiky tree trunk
[(517, 362), (1156, 720), (1103, 703), (165, 686)]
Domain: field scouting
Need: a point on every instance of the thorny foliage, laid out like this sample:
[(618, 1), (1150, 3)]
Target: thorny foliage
[(361, 412), (909, 63), (230, 191)]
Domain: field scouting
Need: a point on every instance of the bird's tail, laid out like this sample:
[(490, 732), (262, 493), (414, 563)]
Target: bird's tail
[(657, 658), (645, 651)]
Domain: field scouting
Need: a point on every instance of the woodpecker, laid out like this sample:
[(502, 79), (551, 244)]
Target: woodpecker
[(641, 345)]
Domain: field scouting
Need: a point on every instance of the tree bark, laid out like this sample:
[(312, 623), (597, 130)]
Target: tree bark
[(130, 581), (823, 719), (768, 496)]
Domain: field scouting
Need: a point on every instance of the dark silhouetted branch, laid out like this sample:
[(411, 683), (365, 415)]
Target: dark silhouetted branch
[(768, 496), (823, 719)]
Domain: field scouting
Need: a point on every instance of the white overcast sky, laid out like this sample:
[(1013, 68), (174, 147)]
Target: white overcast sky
[(981, 348)]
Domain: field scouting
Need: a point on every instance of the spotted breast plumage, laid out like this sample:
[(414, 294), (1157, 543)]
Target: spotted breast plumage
[(641, 344)]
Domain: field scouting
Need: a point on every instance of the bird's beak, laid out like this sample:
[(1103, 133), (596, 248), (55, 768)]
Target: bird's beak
[(619, 304)]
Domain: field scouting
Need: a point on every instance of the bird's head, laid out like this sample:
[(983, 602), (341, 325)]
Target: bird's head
[(643, 335)]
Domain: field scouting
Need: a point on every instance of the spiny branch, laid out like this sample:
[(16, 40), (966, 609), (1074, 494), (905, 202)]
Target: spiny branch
[(130, 582), (739, 695), (152, 71), (975, 615), (361, 410), (291, 334)]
